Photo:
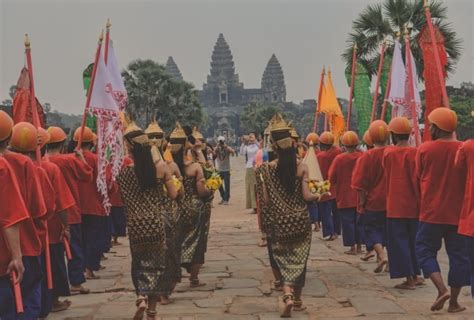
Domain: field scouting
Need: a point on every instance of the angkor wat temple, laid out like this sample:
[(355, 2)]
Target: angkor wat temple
[(224, 97)]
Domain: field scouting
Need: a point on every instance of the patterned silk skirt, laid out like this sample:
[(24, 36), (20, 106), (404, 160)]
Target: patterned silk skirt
[(195, 239), (148, 266), (291, 259)]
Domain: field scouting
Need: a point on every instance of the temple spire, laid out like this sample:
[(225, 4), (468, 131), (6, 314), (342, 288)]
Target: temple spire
[(222, 65), (172, 69), (273, 81)]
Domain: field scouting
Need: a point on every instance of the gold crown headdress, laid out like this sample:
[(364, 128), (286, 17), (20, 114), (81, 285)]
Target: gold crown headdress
[(130, 126), (294, 134), (154, 129), (177, 138), (178, 132), (197, 134), (278, 123)]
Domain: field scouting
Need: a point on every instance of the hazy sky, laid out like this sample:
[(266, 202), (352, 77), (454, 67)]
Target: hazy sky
[(304, 35)]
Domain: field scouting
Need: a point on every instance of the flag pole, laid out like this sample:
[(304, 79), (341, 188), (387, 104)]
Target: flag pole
[(389, 86), (411, 87), (436, 54), (107, 39), (326, 122), (377, 84), (89, 91), (320, 93), (351, 90), (36, 123)]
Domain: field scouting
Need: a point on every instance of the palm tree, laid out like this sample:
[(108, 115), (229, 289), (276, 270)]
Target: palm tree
[(388, 19)]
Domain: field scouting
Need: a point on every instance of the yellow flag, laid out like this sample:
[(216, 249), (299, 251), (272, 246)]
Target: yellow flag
[(331, 108)]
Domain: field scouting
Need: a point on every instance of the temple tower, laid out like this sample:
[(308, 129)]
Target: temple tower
[(173, 70), (273, 82)]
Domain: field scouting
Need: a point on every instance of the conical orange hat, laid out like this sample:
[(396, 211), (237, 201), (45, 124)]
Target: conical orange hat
[(378, 131), (326, 138), (350, 139), (312, 137), (87, 137), (44, 136), (56, 134), (444, 118), (311, 161), (24, 137), (400, 125), (6, 125), (367, 139)]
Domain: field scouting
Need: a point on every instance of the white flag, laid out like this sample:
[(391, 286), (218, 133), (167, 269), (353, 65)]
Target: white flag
[(398, 78), (119, 91)]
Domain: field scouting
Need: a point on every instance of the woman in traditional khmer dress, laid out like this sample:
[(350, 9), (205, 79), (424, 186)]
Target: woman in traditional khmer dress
[(172, 272), (284, 191), (193, 206), (142, 187)]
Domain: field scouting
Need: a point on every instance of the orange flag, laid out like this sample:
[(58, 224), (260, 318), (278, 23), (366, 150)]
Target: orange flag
[(331, 108)]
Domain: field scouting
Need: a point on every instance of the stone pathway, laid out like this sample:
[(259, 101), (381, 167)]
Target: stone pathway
[(238, 281)]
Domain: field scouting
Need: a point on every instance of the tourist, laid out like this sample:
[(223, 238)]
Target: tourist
[(327, 205), (402, 205), (58, 228), (442, 191), (31, 246), (14, 213), (249, 149), (284, 192), (223, 153), (74, 169), (340, 176), (142, 185), (194, 206), (465, 162), (94, 215), (369, 180)]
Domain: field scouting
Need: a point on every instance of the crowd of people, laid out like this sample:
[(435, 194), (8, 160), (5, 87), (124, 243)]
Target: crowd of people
[(385, 195)]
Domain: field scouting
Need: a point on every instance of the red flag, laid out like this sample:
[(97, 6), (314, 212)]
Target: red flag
[(433, 92), (22, 101)]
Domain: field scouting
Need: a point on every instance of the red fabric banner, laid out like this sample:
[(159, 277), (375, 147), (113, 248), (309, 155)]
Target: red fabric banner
[(21, 110)]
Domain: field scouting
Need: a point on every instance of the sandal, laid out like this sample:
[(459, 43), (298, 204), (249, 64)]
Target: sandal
[(61, 306), (194, 283), (142, 304), (298, 305), (286, 305)]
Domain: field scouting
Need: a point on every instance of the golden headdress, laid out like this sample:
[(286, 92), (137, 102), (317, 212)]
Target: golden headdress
[(197, 134), (294, 134), (133, 133), (154, 129), (178, 132), (278, 123), (177, 138)]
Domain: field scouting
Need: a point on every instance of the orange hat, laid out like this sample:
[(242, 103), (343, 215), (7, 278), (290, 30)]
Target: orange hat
[(6, 125), (44, 136), (400, 125), (313, 136), (378, 131), (367, 140), (88, 135), (24, 137), (444, 118), (327, 138), (56, 134), (350, 139)]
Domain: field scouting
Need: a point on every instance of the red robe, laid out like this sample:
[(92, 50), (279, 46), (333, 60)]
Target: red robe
[(49, 201), (13, 210), (402, 184), (465, 162), (74, 171), (32, 193), (90, 199), (325, 159), (441, 183), (369, 176), (340, 176), (63, 200)]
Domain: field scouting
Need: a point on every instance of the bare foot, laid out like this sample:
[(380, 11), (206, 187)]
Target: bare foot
[(286, 307), (262, 243), (420, 281), (405, 286), (455, 308), (440, 301), (164, 300), (369, 255), (60, 306), (351, 252), (381, 266), (141, 307)]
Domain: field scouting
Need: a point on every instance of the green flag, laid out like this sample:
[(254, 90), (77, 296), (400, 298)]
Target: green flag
[(383, 84), (86, 79), (362, 97)]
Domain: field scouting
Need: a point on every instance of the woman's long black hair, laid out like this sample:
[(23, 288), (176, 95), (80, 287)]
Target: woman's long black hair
[(145, 169), (286, 166), (178, 157)]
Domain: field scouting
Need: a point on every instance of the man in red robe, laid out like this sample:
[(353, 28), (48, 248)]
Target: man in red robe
[(31, 246), (94, 216), (369, 181), (402, 205), (442, 191), (12, 214), (74, 169), (465, 162), (327, 206), (340, 176)]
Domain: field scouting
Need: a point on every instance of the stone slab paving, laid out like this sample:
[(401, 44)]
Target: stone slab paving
[(239, 280)]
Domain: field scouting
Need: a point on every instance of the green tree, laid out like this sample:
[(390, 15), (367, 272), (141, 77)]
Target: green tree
[(385, 20), (256, 117), (153, 93), (463, 106)]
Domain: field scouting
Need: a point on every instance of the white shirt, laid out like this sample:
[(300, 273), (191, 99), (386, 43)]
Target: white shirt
[(250, 151)]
